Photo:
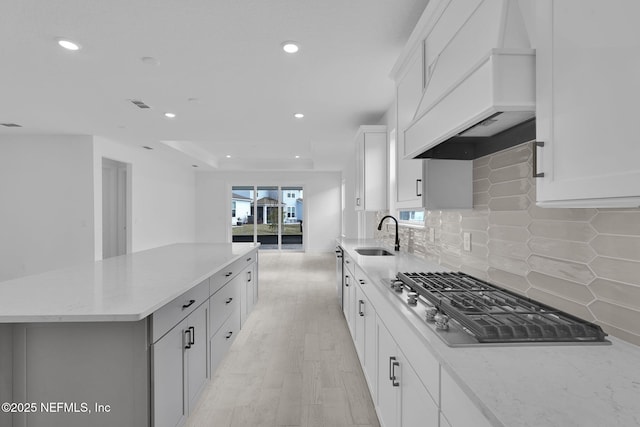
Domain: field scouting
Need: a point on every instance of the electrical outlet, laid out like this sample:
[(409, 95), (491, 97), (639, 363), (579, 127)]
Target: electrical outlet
[(432, 234), (466, 241)]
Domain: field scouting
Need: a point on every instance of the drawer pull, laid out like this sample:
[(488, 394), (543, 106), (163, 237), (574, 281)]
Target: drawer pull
[(248, 276), (394, 364), (191, 302), (188, 344), (193, 335), (228, 274), (248, 259), (229, 336), (228, 301)]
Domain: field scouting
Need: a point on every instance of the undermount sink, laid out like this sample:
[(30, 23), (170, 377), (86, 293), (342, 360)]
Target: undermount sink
[(373, 252)]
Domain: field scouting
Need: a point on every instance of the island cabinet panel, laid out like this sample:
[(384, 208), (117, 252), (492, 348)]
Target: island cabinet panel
[(68, 369), (180, 369)]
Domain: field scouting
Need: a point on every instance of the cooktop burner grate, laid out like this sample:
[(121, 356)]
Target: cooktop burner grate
[(496, 315)]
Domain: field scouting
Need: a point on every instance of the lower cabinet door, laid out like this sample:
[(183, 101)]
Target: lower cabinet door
[(169, 408), (196, 355), (388, 395), (416, 405), (370, 349), (223, 339)]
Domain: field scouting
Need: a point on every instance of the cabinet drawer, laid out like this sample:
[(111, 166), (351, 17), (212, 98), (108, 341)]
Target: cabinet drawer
[(173, 312), (349, 264), (219, 279), (222, 340), (223, 303)]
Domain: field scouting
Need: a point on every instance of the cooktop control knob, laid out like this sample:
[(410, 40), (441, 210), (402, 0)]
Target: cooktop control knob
[(396, 285), (412, 298), (431, 314), (442, 321)]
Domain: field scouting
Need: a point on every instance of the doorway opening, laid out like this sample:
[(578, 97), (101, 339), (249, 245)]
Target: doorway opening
[(271, 215), (115, 230)]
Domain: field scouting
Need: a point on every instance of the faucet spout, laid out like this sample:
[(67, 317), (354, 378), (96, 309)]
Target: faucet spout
[(397, 245)]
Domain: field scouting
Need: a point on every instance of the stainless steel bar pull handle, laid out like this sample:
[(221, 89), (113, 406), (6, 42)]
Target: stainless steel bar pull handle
[(394, 365), (534, 156), (193, 335), (419, 187), (187, 334), (360, 304)]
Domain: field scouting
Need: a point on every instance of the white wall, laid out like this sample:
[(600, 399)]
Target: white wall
[(321, 198), (46, 203), (162, 196)]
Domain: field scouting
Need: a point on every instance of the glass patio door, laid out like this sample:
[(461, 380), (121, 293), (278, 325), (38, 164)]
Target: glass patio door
[(270, 215)]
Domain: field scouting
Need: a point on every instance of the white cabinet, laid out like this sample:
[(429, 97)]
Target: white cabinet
[(408, 95), (371, 168), (249, 291), (179, 369), (365, 331), (587, 67), (402, 398), (349, 301)]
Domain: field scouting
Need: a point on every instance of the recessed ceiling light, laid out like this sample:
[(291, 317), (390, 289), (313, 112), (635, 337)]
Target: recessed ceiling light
[(150, 60), (290, 47), (169, 115), (68, 44), (194, 166), (228, 156), (298, 115), (297, 157)]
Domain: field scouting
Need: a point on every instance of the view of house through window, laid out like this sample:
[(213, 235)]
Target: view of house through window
[(271, 215)]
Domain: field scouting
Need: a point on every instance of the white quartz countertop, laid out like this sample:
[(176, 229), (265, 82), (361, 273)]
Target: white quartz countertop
[(541, 386), (123, 288)]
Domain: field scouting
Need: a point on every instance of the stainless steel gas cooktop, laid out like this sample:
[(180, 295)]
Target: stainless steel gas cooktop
[(465, 311)]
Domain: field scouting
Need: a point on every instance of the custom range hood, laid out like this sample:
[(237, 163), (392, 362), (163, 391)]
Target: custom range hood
[(479, 94)]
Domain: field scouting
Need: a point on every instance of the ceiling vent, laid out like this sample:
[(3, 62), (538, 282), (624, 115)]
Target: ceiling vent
[(11, 125), (139, 103)]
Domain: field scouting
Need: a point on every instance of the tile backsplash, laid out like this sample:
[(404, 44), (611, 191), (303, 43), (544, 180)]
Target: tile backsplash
[(583, 261)]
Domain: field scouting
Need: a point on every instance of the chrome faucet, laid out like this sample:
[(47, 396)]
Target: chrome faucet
[(397, 246)]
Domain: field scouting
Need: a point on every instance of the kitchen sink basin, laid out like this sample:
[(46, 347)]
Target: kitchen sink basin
[(373, 252)]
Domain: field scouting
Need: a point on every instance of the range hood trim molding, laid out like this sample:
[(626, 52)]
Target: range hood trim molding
[(507, 79)]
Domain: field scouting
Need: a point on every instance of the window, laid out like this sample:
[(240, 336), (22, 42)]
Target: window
[(233, 209), (291, 212), (415, 217)]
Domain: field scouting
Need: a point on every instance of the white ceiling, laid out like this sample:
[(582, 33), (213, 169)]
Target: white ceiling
[(221, 71)]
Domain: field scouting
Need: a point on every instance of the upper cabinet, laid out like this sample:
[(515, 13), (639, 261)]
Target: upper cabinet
[(588, 63), (371, 168)]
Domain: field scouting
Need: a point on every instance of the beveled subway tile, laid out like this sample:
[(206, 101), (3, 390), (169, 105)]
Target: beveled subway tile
[(479, 237), (472, 271), (568, 289), (627, 247), (481, 172), (564, 230), (481, 185), (512, 265), (512, 203), (481, 161), (512, 218), (568, 270), (504, 248), (512, 156), (510, 173), (451, 261), (478, 252), (616, 292), (562, 214), (564, 249), (512, 234), (433, 218), (451, 216), (510, 188), (561, 303), (480, 223), (451, 227), (480, 200), (612, 222), (515, 282), (454, 250), (616, 332), (617, 269), (617, 316), (451, 239)]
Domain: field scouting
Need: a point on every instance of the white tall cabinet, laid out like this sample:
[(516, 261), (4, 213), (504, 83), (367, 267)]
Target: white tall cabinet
[(587, 67), (371, 168)]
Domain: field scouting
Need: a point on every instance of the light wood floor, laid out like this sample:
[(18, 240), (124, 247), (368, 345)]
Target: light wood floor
[(293, 363)]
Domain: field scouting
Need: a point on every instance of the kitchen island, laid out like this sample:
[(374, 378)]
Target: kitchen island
[(126, 341), (504, 385)]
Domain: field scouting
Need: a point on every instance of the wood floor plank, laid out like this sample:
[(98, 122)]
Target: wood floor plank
[(293, 363)]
